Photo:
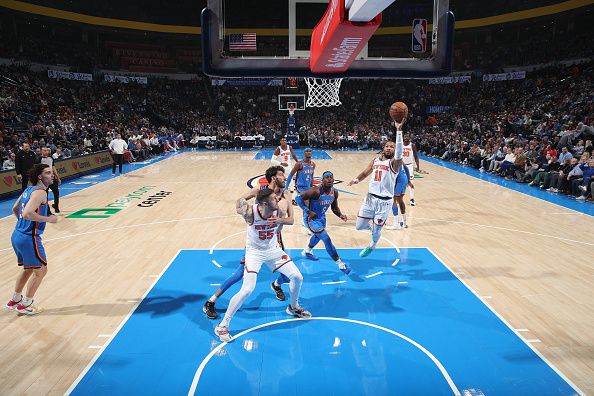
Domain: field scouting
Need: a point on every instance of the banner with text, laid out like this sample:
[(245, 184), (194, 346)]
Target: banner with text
[(517, 75), (125, 80), (66, 168), (69, 75), (247, 82), (450, 80)]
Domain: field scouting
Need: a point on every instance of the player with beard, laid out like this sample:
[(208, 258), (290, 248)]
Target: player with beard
[(377, 205)]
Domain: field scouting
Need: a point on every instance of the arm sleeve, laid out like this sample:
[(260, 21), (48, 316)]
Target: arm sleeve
[(399, 145)]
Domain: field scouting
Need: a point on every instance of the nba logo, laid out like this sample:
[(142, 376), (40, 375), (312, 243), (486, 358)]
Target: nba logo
[(419, 35)]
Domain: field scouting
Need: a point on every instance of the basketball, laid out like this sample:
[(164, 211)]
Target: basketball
[(398, 111)]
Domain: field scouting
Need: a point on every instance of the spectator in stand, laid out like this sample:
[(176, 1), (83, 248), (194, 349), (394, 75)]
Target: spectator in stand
[(24, 161), (565, 154), (9, 163), (559, 180), (587, 174), (58, 154)]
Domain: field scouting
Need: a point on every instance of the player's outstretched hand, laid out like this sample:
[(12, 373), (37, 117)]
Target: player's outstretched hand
[(52, 219), (343, 217), (354, 181), (312, 215), (399, 125)]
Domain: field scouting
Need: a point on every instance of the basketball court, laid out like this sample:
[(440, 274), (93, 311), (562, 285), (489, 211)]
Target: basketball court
[(490, 291), (471, 299)]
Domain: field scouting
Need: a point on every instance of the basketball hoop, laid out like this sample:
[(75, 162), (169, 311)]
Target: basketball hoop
[(323, 92), (291, 110)]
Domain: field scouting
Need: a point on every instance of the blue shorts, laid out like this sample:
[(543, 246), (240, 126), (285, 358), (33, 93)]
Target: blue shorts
[(29, 250), (401, 183), (315, 225)]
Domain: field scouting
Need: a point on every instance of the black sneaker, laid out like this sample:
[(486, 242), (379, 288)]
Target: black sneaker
[(56, 209), (280, 294), (209, 310)]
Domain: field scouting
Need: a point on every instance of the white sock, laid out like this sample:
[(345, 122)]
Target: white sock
[(372, 245), (213, 298), (26, 301), (412, 193), (275, 283), (16, 297), (404, 218), (308, 250), (341, 264)]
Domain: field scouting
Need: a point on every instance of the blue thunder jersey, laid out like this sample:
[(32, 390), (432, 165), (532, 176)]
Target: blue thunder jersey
[(321, 205), (304, 178), (27, 226)]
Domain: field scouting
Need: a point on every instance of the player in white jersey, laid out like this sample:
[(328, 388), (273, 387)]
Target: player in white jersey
[(264, 219), (377, 204), (282, 156), (409, 153)]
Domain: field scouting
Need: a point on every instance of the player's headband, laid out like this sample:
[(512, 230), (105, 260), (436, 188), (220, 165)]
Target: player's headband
[(327, 173), (307, 149)]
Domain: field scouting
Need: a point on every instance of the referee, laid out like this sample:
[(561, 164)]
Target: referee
[(24, 161), (47, 159), (117, 147)]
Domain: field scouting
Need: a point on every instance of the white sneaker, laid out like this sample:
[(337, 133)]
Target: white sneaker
[(581, 198), (223, 333), (395, 226), (30, 309), (583, 188), (298, 311)]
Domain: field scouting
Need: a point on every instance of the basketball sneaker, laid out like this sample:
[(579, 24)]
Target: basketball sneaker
[(300, 312), (309, 256), (395, 226), (280, 294), (223, 333), (365, 252), (12, 305), (343, 267), (412, 202), (30, 309), (209, 310)]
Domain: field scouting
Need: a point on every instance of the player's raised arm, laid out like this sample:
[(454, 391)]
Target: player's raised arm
[(252, 193), (366, 172), (245, 210), (335, 209), (397, 161)]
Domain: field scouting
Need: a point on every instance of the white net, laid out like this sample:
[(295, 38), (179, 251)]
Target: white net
[(323, 92)]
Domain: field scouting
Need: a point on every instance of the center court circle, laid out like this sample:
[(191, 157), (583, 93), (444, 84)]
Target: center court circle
[(321, 356)]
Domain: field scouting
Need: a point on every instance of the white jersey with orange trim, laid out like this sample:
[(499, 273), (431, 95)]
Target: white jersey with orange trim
[(260, 235), (285, 156), (408, 155), (383, 178)]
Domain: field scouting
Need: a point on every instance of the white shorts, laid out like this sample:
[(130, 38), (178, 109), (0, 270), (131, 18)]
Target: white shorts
[(376, 209), (411, 171), (273, 258)]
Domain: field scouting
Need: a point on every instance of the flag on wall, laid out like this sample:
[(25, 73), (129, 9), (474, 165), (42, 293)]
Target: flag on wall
[(242, 42)]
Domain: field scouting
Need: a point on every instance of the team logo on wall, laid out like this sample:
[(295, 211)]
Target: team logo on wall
[(260, 181)]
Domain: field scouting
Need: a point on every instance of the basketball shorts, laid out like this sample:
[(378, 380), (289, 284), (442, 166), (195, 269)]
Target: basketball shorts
[(401, 183), (411, 171), (315, 225), (273, 258), (376, 209), (29, 250)]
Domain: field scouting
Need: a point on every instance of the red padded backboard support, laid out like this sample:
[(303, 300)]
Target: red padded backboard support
[(336, 42)]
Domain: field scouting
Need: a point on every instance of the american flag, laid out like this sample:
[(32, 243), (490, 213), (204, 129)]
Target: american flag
[(242, 42)]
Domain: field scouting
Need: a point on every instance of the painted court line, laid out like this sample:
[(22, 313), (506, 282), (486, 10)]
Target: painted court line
[(522, 330), (375, 274), (395, 262), (533, 340), (84, 372), (104, 335), (555, 369), (403, 283), (215, 284), (333, 283), (95, 346), (217, 264), (437, 363)]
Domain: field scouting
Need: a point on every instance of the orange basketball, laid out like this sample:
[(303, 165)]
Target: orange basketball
[(398, 111)]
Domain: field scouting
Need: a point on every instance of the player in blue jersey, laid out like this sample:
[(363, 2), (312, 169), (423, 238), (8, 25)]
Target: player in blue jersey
[(275, 177), (304, 176), (31, 213), (315, 202), (402, 181)]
